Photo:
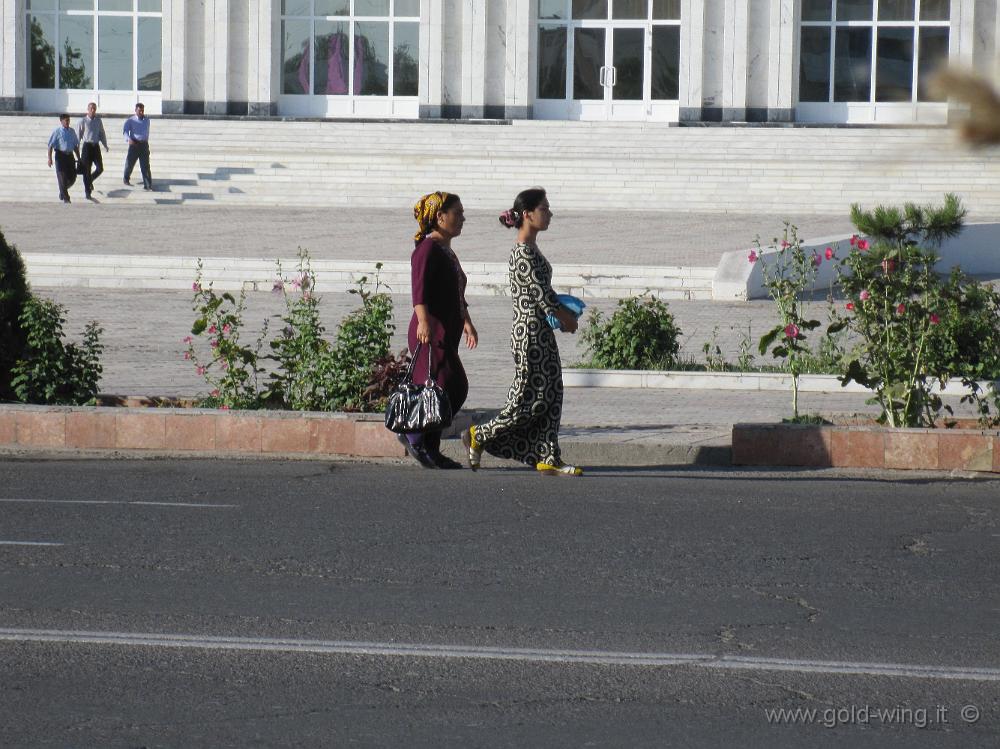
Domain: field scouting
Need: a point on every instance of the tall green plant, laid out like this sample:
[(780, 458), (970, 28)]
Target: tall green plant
[(787, 274), (896, 303), (14, 294)]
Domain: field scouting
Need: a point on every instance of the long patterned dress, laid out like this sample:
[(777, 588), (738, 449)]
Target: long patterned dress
[(527, 429)]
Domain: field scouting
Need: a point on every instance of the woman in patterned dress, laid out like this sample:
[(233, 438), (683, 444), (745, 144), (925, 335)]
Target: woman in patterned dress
[(527, 429), (440, 315)]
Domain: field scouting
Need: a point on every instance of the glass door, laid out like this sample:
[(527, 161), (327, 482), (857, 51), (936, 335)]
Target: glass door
[(608, 59)]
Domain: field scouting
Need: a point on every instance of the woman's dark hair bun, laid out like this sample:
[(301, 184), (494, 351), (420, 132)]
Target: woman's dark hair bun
[(510, 218)]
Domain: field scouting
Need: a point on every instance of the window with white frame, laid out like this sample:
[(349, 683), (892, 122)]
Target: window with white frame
[(350, 47), (871, 51), (94, 45)]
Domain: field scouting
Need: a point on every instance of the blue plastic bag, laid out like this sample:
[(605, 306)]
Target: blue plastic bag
[(570, 302)]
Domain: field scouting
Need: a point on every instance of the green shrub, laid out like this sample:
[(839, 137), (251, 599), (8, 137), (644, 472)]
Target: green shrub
[(14, 293), (913, 328), (640, 334), (52, 372), (310, 373)]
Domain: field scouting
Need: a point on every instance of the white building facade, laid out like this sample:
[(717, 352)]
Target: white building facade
[(817, 61)]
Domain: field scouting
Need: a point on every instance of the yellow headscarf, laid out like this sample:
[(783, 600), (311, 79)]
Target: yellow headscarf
[(425, 212)]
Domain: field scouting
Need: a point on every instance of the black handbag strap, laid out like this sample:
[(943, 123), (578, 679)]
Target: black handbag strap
[(413, 360)]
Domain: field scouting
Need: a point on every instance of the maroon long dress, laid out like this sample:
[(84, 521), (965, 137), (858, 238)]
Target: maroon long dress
[(438, 281)]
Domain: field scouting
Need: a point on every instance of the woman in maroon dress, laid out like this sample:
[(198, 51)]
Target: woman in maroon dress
[(440, 314)]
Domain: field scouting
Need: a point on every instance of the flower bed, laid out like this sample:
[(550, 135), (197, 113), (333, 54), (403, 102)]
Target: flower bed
[(867, 446)]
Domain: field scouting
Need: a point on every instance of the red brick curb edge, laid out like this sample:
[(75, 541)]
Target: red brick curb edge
[(196, 430), (866, 447)]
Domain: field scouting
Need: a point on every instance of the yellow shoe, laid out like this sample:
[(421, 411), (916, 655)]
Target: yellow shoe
[(563, 469), (473, 450)]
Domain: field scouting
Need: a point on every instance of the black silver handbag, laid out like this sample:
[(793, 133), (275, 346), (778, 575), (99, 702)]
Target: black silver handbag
[(418, 408)]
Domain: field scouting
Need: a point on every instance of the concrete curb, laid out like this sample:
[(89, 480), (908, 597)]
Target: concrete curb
[(866, 447), (136, 429), (632, 378), (195, 430)]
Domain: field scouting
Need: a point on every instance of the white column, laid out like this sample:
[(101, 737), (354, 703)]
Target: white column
[(736, 41), (431, 57), (692, 59), (263, 44), (782, 52), (473, 58), (216, 30), (13, 55), (519, 58), (173, 41)]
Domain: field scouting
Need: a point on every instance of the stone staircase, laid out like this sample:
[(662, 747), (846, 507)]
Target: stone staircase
[(594, 166)]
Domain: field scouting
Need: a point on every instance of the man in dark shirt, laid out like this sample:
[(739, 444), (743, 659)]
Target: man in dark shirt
[(65, 145)]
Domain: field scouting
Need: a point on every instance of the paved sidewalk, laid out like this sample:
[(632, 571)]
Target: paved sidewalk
[(612, 237)]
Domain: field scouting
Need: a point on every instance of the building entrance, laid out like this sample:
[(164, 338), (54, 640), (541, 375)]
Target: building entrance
[(608, 59)]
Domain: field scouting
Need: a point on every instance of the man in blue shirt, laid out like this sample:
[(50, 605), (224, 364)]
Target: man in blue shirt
[(64, 143), (137, 131)]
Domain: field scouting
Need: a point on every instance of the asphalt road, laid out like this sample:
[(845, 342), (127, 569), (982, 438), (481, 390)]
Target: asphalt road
[(228, 603)]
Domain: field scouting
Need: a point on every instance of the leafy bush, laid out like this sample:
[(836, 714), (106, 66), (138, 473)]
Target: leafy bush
[(315, 374), (640, 334), (310, 373), (362, 340), (14, 294), (897, 303), (49, 371)]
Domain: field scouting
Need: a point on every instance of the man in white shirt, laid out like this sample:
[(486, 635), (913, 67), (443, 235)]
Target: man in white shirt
[(90, 130)]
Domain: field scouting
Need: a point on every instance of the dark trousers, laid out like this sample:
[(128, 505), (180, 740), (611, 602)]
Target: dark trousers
[(65, 163), (90, 155), (139, 152)]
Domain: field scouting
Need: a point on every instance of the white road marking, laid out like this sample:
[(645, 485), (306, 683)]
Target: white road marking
[(198, 505), (589, 657), (29, 543)]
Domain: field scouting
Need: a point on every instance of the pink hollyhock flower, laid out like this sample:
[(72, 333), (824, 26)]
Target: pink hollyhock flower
[(200, 370), (850, 306), (752, 257), (900, 309), (215, 343), (224, 365), (227, 328), (214, 393), (188, 339), (934, 319), (862, 244), (278, 286), (187, 354), (791, 331), (212, 328), (829, 253), (817, 260), (888, 265), (296, 283), (865, 296), (854, 239), (196, 286), (784, 244)]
